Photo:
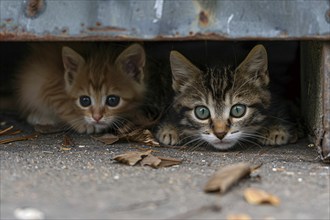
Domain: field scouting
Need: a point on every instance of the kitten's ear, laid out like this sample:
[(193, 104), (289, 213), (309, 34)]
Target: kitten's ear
[(132, 61), (255, 66), (72, 61), (183, 71)]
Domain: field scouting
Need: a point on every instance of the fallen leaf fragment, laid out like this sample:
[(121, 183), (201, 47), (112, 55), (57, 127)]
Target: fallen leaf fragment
[(4, 131), (14, 132), (167, 162), (151, 160), (226, 177), (65, 148), (22, 138), (67, 141), (132, 157), (238, 217), (9, 131), (107, 138), (146, 158), (143, 136), (257, 196)]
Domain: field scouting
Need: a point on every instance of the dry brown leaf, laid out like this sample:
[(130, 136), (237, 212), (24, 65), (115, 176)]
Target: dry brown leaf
[(146, 158), (4, 131), (238, 217), (143, 136), (132, 157), (224, 178), (151, 160), (257, 196), (107, 138), (9, 131), (67, 141), (167, 162), (14, 132), (22, 138)]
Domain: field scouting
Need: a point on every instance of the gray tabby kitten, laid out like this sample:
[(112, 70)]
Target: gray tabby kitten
[(223, 107)]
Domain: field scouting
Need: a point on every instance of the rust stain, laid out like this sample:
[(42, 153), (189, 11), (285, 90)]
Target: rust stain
[(203, 18), (64, 31), (16, 34), (34, 7), (105, 28), (98, 24), (8, 20)]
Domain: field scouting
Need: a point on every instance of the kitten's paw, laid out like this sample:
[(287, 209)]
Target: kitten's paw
[(90, 129), (168, 135), (84, 128), (278, 135), (42, 119), (45, 124)]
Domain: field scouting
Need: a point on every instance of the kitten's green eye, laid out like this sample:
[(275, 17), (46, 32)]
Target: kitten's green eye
[(112, 100), (85, 101), (202, 112), (238, 110)]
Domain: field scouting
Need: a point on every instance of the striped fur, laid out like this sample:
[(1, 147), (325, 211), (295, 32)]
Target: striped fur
[(54, 77), (219, 89)]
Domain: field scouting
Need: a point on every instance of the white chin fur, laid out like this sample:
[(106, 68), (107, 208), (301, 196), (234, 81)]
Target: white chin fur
[(224, 144)]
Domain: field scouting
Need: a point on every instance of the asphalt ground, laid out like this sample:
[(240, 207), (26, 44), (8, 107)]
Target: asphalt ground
[(84, 182)]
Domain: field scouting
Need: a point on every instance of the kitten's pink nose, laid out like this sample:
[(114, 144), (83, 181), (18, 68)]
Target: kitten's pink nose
[(97, 117), (220, 135)]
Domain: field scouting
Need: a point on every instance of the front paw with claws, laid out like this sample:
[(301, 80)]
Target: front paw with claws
[(168, 135)]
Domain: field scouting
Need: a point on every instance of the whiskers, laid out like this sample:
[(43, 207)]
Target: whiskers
[(281, 119), (74, 124), (122, 125), (251, 138), (192, 142)]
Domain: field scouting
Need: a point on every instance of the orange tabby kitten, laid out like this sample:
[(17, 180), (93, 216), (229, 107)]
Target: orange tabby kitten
[(88, 88)]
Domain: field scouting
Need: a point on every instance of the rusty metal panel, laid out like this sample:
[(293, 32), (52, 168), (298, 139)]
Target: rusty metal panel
[(325, 71), (163, 19), (315, 61)]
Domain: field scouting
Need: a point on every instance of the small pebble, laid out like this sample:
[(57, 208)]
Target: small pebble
[(116, 177), (28, 214)]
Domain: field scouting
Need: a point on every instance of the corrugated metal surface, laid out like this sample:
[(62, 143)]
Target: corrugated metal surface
[(164, 19), (315, 66), (325, 69)]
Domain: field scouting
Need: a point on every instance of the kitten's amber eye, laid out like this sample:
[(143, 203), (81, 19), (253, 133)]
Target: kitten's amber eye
[(202, 112), (112, 100), (85, 101), (238, 110)]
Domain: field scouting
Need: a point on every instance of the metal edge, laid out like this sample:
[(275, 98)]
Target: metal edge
[(325, 71)]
